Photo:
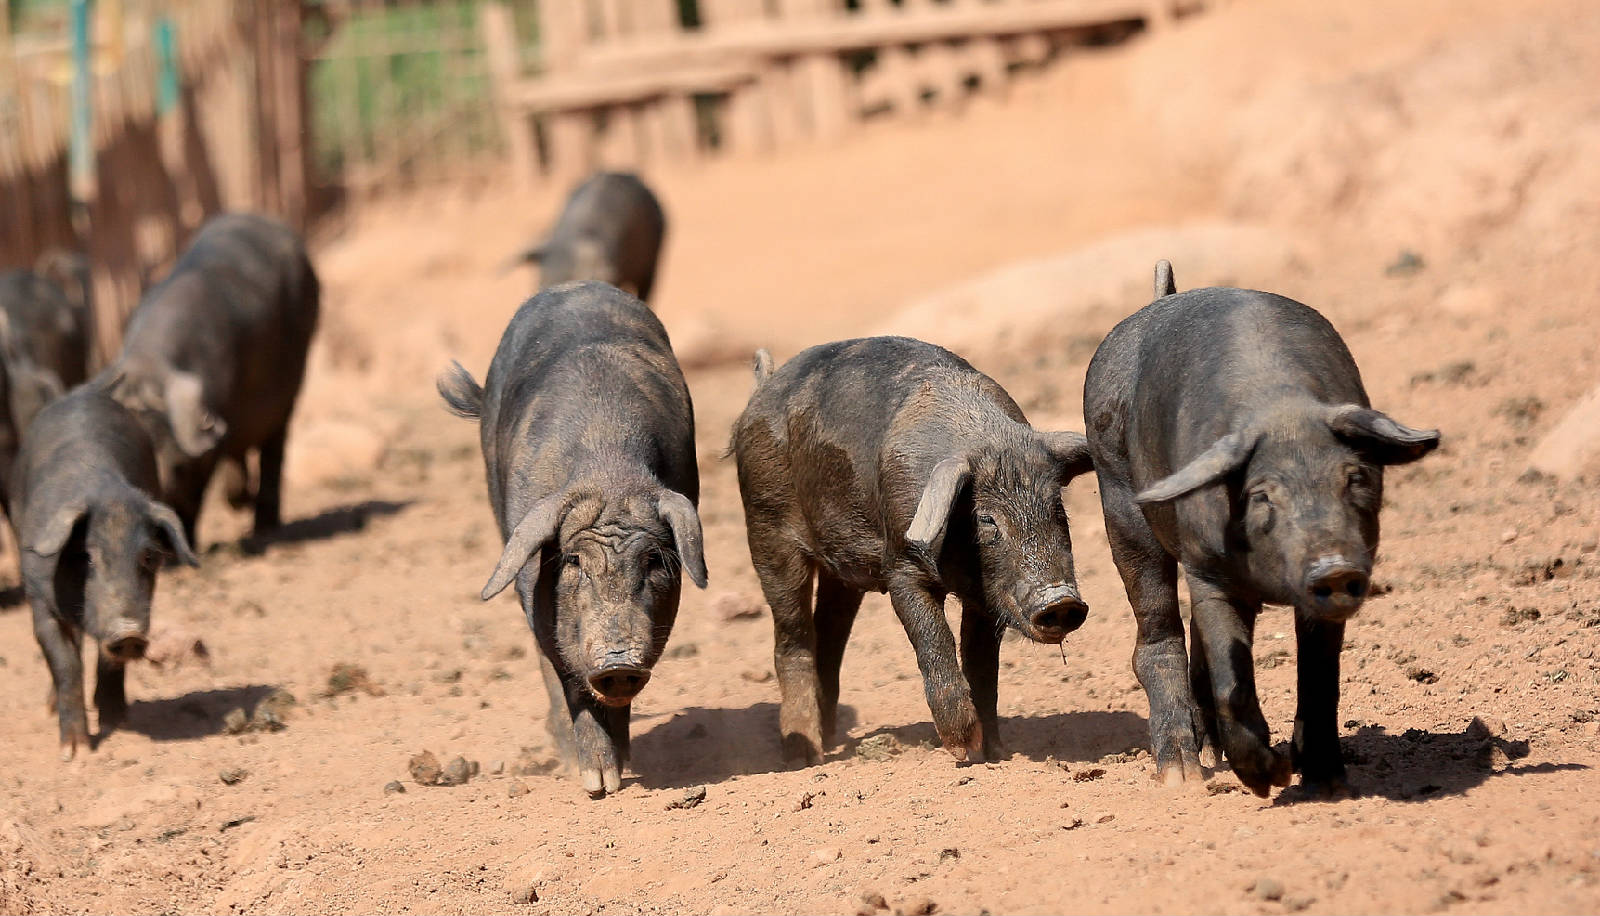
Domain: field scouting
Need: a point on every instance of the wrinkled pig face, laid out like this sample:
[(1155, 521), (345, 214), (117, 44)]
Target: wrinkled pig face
[(613, 565), (1011, 517), (617, 588), (123, 555), (107, 547), (1308, 480), (1309, 517), (1024, 550)]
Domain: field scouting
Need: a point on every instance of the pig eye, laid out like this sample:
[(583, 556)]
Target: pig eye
[(1357, 478), (1260, 498), (986, 520), (571, 561)]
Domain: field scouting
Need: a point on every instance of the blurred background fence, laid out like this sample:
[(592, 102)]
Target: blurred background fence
[(294, 106)]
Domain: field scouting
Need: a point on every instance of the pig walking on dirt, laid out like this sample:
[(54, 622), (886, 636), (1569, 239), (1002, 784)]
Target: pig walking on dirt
[(588, 440), (45, 346), (610, 230), (1231, 434), (91, 538), (213, 359), (889, 464)]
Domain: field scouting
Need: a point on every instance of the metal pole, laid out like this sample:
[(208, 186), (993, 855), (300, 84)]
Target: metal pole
[(82, 181)]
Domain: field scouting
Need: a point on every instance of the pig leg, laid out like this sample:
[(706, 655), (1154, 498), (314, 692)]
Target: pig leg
[(559, 721), (62, 647), (949, 699), (599, 764), (1226, 626), (1205, 701), (1160, 661), (785, 576), (188, 490), (837, 605), (980, 662), (110, 694), (269, 487), (236, 481), (1315, 748)]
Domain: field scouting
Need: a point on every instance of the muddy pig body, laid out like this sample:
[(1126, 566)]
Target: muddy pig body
[(91, 536), (588, 442), (213, 359), (889, 464), (1232, 435), (610, 230), (45, 344)]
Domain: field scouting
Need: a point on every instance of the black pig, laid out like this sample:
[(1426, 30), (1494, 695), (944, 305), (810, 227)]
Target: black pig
[(610, 230), (588, 440), (213, 360), (44, 350), (889, 464), (1231, 434), (91, 539)]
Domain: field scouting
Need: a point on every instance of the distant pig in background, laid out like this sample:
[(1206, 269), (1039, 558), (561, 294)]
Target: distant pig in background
[(588, 440), (213, 359), (889, 464), (1231, 434), (46, 342), (610, 230), (92, 539)]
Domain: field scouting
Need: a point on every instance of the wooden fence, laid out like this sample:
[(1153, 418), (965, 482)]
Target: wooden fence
[(629, 82), (198, 106)]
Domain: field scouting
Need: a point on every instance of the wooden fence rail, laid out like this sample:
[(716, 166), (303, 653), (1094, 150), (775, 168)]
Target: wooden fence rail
[(768, 72)]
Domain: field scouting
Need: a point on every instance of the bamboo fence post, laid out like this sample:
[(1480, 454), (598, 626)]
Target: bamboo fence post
[(500, 48), (562, 34)]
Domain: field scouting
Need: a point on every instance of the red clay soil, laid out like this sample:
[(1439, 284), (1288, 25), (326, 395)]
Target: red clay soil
[(1426, 173)]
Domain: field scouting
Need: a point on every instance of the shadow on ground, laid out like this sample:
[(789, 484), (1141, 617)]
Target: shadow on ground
[(707, 745), (194, 715), (329, 523), (1420, 765)]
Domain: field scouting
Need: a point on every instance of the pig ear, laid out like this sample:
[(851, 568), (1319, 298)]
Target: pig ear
[(1386, 441), (1070, 451), (58, 528), (535, 530), (196, 428), (938, 495), (681, 517), (1224, 456), (170, 530)]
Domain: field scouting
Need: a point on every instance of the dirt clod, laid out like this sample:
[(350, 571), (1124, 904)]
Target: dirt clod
[(691, 799), (879, 747), (1267, 888), (232, 776), (456, 773), (1089, 775), (424, 769), (917, 906), (347, 678), (516, 788)]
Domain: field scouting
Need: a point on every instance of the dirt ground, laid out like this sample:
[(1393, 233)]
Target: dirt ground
[(1426, 173)]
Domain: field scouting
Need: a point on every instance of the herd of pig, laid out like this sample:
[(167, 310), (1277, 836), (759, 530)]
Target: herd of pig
[(1228, 429)]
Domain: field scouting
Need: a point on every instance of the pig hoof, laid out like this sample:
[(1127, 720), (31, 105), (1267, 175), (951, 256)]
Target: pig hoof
[(612, 779), (801, 750), (594, 783), (1209, 757), (1327, 788)]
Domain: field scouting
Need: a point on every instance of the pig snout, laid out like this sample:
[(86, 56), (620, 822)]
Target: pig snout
[(1054, 611), (1336, 586), (618, 678), (126, 641)]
